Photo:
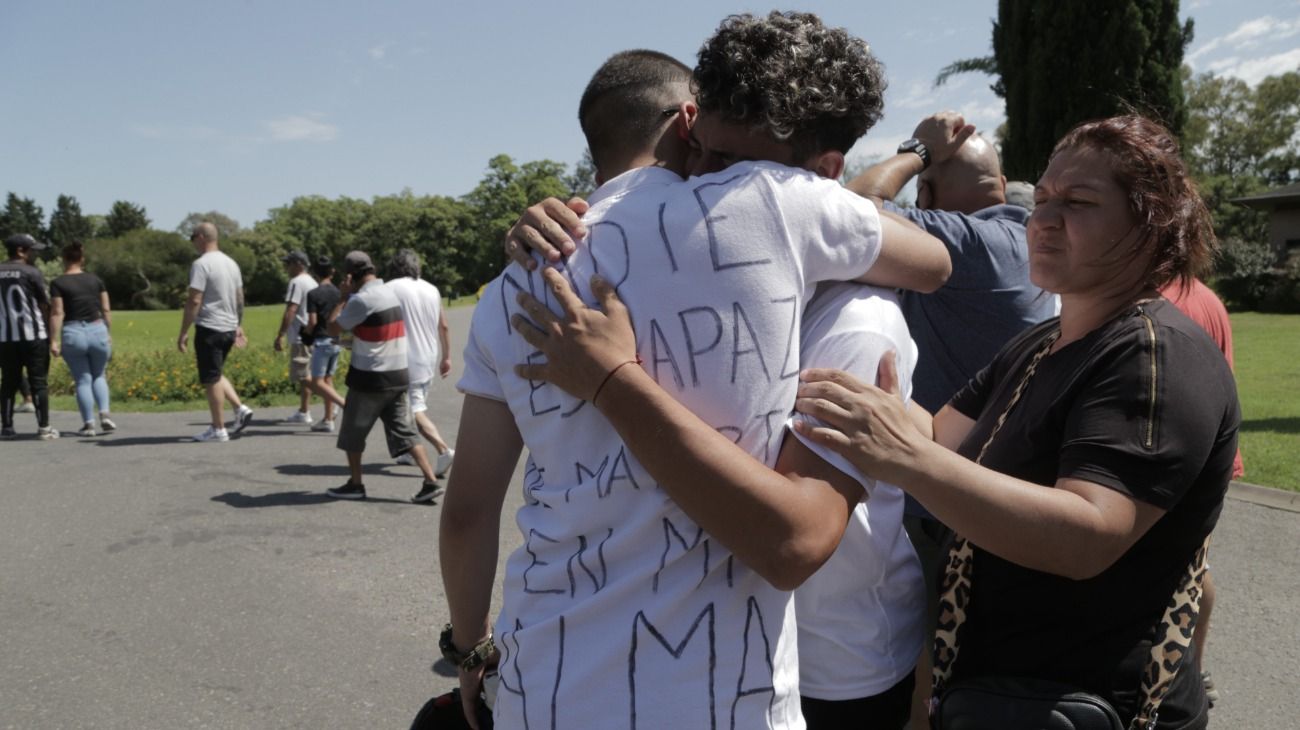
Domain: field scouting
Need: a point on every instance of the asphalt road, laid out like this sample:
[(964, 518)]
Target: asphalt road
[(147, 582)]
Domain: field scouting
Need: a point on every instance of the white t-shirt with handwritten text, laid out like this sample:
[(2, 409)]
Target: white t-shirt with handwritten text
[(861, 615), (619, 611)]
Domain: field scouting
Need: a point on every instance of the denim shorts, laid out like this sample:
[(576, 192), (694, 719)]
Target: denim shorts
[(324, 357)]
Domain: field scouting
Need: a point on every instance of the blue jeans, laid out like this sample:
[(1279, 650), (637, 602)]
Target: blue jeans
[(86, 350)]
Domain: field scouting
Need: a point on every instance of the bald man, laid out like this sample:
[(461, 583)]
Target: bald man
[(988, 299), (215, 307), (961, 200)]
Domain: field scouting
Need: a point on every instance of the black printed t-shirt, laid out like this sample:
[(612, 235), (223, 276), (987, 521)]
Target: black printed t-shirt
[(321, 301), (22, 294), (80, 294), (1144, 405)]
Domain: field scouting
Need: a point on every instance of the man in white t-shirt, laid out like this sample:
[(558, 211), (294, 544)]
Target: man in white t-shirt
[(621, 610), (292, 323), (215, 306), (428, 350)]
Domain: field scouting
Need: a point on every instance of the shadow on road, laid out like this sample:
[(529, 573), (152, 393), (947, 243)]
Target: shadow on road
[(239, 500), (143, 440), (337, 470), (444, 668)]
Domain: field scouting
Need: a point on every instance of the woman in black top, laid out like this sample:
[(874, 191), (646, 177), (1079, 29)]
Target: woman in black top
[(1106, 437), (80, 321)]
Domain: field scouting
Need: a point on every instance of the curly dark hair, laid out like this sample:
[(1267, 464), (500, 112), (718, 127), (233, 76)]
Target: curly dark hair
[(816, 87), (1147, 164)]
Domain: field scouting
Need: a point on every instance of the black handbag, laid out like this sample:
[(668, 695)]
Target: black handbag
[(1026, 703), (1000, 703)]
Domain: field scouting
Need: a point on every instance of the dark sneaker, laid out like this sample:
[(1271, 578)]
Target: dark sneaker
[(8, 433), (348, 491), (427, 492), (87, 430), (243, 417), (106, 424)]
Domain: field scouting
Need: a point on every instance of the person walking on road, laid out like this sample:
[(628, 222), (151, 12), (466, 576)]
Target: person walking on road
[(215, 307), (427, 346), (324, 347), (377, 379), (24, 335), (292, 324), (80, 319)]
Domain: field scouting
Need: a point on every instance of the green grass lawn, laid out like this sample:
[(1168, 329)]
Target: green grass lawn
[(1267, 352)]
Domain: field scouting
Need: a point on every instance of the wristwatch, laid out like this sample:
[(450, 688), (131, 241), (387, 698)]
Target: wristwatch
[(467, 661), (917, 146)]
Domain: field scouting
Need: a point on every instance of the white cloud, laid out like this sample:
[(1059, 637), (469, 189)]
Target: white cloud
[(1254, 70), (1249, 34), (378, 52), (302, 128)]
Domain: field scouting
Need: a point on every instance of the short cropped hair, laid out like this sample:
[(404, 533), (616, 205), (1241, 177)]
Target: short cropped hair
[(404, 263), (789, 75), (1146, 163), (623, 107)]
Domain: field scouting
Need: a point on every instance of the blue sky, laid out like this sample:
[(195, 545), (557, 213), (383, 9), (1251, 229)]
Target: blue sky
[(240, 106)]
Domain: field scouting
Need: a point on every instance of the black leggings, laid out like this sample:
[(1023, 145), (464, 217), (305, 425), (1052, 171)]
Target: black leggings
[(15, 359), (888, 710)]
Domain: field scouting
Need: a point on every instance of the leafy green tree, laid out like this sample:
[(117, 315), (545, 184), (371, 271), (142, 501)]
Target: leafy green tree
[(22, 215), (68, 224), (123, 218), (1062, 63), (1241, 141), (226, 226), (144, 269), (505, 191), (317, 225)]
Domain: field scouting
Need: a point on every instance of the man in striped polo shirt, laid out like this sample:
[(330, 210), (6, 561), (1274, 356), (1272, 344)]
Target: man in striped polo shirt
[(24, 334), (377, 379)]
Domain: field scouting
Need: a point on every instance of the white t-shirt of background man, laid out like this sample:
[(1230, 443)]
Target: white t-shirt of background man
[(217, 276), (619, 611), (421, 308), (299, 287), (861, 615)]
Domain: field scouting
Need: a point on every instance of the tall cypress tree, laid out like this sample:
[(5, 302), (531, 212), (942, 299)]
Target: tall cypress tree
[(68, 224), (1062, 63)]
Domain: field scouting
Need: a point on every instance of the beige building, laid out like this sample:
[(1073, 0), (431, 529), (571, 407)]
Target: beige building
[(1283, 206)]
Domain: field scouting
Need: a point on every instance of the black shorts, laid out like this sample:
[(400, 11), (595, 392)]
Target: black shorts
[(361, 411), (210, 350)]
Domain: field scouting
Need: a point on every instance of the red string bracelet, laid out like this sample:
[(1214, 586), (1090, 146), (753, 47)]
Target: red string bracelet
[(617, 367)]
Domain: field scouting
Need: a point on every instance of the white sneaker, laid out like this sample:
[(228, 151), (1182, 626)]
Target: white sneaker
[(443, 464), (299, 417), (324, 425), (406, 459), (242, 418), (47, 433), (213, 434)]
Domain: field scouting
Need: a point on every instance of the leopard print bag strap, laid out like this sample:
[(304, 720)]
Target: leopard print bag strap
[(1170, 641), (954, 591)]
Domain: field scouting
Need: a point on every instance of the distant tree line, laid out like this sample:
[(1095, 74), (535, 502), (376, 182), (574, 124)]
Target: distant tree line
[(459, 239)]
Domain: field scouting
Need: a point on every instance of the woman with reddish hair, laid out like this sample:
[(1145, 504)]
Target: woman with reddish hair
[(1086, 465)]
